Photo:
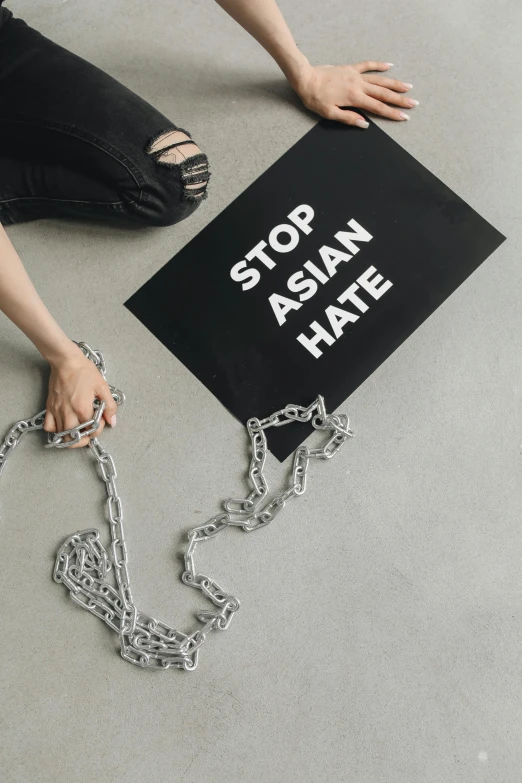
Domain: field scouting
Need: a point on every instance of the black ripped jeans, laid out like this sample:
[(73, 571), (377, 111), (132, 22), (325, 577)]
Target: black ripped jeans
[(74, 142)]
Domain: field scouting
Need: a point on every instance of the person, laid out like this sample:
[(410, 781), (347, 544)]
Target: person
[(77, 143)]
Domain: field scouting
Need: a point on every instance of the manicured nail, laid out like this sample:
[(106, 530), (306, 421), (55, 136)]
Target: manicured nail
[(413, 102), (409, 86), (404, 115), (362, 123), (113, 420), (390, 65)]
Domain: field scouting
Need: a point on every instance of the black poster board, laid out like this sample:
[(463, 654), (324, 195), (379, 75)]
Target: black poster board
[(346, 239)]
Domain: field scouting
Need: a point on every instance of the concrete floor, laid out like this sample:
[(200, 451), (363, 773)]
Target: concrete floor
[(381, 624)]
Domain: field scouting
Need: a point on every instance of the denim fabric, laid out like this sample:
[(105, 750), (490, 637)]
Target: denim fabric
[(74, 141), (4, 15)]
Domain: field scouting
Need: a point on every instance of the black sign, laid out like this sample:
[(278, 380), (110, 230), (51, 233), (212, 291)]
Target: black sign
[(314, 275)]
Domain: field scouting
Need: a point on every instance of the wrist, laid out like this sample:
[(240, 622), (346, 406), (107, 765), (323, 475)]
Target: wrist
[(296, 68), (61, 351)]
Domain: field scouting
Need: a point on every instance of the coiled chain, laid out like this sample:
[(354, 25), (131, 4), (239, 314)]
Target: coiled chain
[(84, 567)]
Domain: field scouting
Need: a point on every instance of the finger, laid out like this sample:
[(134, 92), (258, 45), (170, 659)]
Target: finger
[(58, 421), (384, 81), (382, 94), (49, 424), (348, 117), (69, 421), (82, 442), (377, 107), (371, 65), (85, 412), (81, 413), (104, 393)]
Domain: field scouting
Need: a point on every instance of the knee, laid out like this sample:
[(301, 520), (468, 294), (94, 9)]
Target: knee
[(180, 177)]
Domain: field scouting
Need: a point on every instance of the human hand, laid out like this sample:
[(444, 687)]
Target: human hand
[(324, 89), (73, 384)]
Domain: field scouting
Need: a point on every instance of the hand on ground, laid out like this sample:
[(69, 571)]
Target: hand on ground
[(73, 384), (325, 89)]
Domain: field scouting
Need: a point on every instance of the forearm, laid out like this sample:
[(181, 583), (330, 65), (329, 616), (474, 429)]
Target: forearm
[(264, 21), (20, 302)]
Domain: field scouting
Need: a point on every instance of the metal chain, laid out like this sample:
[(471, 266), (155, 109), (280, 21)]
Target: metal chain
[(83, 565)]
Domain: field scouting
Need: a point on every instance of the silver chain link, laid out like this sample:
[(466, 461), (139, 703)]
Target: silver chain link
[(83, 565)]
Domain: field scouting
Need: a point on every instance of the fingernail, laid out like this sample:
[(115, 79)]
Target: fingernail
[(390, 65), (362, 123), (113, 420), (413, 102), (409, 86), (404, 115)]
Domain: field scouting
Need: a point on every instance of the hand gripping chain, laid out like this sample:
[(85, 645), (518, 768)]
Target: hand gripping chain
[(84, 567)]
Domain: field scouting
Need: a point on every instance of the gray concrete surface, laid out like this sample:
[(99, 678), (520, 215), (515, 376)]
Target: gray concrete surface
[(381, 624)]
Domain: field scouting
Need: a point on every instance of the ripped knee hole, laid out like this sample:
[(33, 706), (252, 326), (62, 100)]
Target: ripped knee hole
[(177, 148)]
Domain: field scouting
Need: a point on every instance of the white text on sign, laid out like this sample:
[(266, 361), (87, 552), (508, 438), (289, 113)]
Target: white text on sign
[(305, 286)]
